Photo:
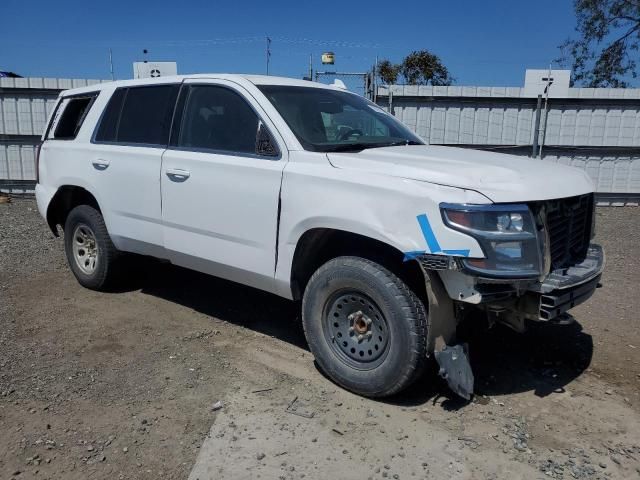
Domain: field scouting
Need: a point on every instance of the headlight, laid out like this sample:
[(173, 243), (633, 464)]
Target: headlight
[(507, 234)]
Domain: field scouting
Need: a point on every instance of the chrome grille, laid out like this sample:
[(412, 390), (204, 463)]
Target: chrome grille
[(569, 227)]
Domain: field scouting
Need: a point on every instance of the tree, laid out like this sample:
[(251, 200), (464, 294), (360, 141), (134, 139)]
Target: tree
[(605, 52), (424, 68), (388, 72)]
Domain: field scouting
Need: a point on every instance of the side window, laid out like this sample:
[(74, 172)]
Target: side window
[(72, 117), (217, 118), (108, 127), (138, 115)]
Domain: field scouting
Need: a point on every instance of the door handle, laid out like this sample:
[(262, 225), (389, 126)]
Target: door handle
[(100, 164), (177, 174)]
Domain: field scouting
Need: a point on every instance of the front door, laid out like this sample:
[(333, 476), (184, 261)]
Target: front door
[(219, 195)]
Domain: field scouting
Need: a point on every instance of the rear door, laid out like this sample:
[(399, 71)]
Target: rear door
[(221, 186), (125, 158)]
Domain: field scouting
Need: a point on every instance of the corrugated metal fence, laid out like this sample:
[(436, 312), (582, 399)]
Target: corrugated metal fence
[(25, 106), (597, 130)]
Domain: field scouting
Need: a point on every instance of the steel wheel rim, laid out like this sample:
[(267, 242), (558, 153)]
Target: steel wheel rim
[(85, 249), (356, 330)]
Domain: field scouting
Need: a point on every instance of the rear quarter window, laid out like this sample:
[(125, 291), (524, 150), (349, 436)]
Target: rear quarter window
[(74, 112), (108, 128)]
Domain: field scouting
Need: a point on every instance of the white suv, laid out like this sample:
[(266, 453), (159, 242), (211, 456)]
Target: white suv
[(316, 194)]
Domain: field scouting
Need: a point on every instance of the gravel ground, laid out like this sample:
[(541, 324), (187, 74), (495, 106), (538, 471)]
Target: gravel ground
[(27, 246), (123, 385)]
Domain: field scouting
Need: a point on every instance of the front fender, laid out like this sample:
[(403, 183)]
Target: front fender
[(401, 213)]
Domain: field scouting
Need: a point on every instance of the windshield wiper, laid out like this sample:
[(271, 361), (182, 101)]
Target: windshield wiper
[(348, 147), (356, 147), (397, 144)]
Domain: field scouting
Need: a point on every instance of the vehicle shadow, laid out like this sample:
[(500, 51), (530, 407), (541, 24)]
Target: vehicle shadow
[(543, 360), (227, 301)]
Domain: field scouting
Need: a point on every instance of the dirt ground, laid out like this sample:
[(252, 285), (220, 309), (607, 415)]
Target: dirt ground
[(124, 385)]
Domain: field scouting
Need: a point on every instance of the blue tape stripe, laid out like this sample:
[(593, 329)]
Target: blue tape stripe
[(463, 253), (412, 255), (429, 236)]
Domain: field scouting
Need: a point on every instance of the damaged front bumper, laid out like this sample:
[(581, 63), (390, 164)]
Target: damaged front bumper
[(544, 300), (564, 289)]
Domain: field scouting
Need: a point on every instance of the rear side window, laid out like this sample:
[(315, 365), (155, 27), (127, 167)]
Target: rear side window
[(109, 123), (72, 117), (138, 115)]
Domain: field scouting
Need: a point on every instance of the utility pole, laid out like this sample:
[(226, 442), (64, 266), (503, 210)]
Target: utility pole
[(375, 81), (549, 81), (268, 53), (311, 66), (111, 64)]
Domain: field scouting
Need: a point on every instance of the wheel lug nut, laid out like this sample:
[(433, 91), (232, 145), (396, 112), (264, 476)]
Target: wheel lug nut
[(360, 337)]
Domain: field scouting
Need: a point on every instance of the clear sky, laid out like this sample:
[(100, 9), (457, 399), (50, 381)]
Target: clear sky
[(482, 42)]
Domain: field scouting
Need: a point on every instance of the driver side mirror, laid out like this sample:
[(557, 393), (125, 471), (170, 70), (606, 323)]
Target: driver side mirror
[(264, 143)]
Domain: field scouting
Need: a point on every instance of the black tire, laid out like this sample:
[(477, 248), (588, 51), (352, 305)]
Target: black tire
[(353, 292), (88, 219)]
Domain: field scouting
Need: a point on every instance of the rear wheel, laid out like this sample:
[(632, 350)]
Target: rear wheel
[(365, 327), (90, 252)]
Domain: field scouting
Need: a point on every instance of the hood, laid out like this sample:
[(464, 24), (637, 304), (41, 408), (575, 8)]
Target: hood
[(500, 177)]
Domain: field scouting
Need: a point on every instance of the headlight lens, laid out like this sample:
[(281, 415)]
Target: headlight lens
[(507, 234)]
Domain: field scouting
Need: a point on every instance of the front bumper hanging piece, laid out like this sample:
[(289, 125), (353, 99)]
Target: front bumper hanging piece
[(456, 369)]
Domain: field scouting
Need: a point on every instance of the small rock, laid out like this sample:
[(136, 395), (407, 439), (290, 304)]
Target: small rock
[(125, 449), (608, 392), (602, 465), (90, 448), (216, 406), (260, 456)]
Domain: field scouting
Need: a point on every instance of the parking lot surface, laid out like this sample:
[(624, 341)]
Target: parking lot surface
[(127, 384)]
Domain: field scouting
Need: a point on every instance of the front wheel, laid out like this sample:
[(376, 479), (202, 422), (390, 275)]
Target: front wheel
[(365, 327)]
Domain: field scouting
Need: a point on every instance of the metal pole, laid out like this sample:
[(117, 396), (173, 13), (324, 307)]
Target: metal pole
[(546, 110), (111, 64), (268, 53), (311, 66), (536, 135), (375, 81)]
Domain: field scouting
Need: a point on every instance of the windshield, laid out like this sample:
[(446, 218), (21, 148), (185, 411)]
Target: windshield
[(332, 121)]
